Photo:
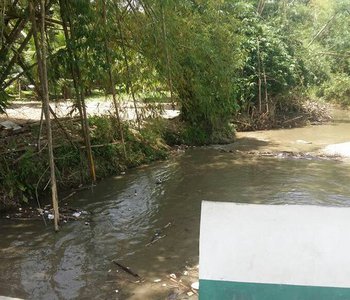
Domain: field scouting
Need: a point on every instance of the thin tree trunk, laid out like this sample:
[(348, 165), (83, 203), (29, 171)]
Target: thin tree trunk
[(259, 77), (170, 79), (14, 58), (266, 93), (41, 57), (126, 61), (38, 91), (322, 29), (21, 23), (111, 81), (77, 82)]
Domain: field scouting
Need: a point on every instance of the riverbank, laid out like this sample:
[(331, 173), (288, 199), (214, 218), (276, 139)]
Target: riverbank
[(129, 215), (23, 158)]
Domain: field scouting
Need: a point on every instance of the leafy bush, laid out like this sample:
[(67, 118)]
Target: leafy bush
[(337, 89)]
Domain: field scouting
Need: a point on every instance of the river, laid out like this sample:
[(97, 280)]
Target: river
[(127, 213)]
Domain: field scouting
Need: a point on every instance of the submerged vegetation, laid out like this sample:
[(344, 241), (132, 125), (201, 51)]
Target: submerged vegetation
[(224, 64)]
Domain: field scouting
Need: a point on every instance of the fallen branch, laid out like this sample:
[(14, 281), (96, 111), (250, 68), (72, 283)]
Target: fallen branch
[(294, 119), (70, 195), (156, 239), (101, 145), (126, 269)]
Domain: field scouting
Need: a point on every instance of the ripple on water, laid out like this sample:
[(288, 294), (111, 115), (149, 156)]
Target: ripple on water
[(127, 212)]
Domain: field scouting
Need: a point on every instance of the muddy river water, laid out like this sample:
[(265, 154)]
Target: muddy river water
[(127, 213)]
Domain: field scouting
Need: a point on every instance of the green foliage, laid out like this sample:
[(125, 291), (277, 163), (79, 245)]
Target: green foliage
[(23, 175), (199, 49), (4, 101), (337, 89)]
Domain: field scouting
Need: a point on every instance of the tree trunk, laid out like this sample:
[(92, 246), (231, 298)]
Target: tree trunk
[(111, 81), (259, 77), (77, 82), (167, 57), (126, 61), (40, 47)]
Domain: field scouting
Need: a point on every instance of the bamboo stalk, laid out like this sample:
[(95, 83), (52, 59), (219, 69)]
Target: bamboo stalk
[(40, 46), (111, 82)]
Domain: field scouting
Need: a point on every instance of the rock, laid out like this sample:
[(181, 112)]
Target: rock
[(303, 142), (342, 149)]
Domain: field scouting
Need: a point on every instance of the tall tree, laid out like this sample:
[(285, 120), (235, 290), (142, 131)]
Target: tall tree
[(40, 47)]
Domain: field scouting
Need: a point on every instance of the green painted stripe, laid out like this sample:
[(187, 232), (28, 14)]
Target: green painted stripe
[(226, 290)]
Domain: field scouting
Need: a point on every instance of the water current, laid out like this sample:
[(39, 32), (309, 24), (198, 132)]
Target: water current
[(163, 200)]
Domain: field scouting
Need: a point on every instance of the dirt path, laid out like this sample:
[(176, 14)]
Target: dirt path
[(22, 112)]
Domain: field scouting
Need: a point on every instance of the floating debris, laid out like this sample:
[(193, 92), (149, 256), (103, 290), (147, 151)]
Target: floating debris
[(195, 285), (76, 214)]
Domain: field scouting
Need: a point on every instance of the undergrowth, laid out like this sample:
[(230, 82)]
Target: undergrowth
[(24, 175)]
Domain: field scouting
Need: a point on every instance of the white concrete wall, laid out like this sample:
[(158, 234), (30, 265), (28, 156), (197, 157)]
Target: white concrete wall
[(300, 245)]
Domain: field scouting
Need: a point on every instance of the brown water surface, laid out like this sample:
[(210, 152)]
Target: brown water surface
[(128, 211)]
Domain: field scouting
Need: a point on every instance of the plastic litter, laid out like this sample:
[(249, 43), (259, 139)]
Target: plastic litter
[(195, 285)]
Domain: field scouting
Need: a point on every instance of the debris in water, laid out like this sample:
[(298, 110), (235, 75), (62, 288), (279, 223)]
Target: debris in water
[(195, 285), (172, 275), (189, 294), (157, 280), (87, 223), (9, 125), (50, 216), (126, 269), (76, 214), (303, 142)]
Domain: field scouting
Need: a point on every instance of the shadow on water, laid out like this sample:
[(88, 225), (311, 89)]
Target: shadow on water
[(128, 212)]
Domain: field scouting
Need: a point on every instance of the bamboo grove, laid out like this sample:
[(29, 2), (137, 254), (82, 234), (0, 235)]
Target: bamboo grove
[(218, 61)]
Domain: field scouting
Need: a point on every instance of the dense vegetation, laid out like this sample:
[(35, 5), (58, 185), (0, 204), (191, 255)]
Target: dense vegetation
[(218, 61)]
